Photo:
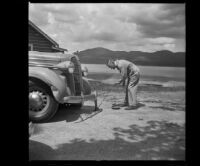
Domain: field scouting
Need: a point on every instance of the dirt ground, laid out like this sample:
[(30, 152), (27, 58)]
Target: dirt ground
[(154, 131)]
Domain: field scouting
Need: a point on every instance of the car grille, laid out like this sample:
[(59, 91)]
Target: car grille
[(77, 76)]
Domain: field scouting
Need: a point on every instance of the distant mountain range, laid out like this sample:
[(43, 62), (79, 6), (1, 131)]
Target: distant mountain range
[(100, 55)]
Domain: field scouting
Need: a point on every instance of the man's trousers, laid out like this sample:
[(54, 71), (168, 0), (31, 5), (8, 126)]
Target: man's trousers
[(131, 88)]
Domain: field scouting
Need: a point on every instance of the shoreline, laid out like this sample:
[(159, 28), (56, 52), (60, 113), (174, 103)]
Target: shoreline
[(100, 86), (101, 76), (136, 64)]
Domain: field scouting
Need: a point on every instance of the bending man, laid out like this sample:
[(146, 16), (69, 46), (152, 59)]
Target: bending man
[(131, 72)]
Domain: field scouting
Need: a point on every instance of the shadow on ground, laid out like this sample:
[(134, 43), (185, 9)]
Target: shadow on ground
[(157, 141), (71, 113), (40, 151), (140, 104), (163, 108)]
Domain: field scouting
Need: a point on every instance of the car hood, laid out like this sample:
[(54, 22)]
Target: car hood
[(48, 59)]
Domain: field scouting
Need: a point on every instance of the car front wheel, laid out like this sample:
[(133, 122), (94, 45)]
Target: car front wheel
[(42, 105)]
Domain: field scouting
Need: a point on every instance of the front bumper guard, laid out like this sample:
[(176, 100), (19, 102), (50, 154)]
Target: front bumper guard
[(82, 98)]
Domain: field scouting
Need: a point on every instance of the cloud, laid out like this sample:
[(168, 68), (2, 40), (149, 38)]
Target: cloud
[(37, 15), (119, 26), (160, 20)]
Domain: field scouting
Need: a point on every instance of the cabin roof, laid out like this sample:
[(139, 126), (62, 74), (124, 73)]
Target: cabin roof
[(42, 33), (56, 45)]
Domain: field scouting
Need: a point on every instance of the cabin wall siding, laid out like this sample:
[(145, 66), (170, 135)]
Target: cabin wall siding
[(40, 43)]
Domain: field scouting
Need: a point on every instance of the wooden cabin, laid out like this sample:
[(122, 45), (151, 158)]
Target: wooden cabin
[(40, 41)]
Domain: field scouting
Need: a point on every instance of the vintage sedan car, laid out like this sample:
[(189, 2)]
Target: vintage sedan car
[(56, 78)]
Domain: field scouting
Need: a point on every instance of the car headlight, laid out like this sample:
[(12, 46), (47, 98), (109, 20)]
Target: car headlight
[(84, 71), (71, 68)]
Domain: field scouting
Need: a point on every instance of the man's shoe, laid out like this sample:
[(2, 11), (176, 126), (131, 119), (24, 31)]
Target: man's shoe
[(121, 105), (131, 108), (115, 107)]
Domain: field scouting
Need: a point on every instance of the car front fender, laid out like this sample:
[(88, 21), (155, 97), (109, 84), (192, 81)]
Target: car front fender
[(51, 78)]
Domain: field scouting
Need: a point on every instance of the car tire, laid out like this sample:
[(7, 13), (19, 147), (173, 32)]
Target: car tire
[(47, 104)]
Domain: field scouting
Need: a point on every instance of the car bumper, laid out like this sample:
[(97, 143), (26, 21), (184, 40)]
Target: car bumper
[(80, 99)]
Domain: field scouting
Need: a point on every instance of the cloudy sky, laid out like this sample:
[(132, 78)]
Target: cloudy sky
[(117, 26)]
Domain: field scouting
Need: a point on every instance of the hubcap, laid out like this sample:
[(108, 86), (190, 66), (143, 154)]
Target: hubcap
[(37, 101)]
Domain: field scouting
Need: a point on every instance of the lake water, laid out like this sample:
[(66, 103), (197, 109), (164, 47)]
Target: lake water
[(175, 76), (175, 72)]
